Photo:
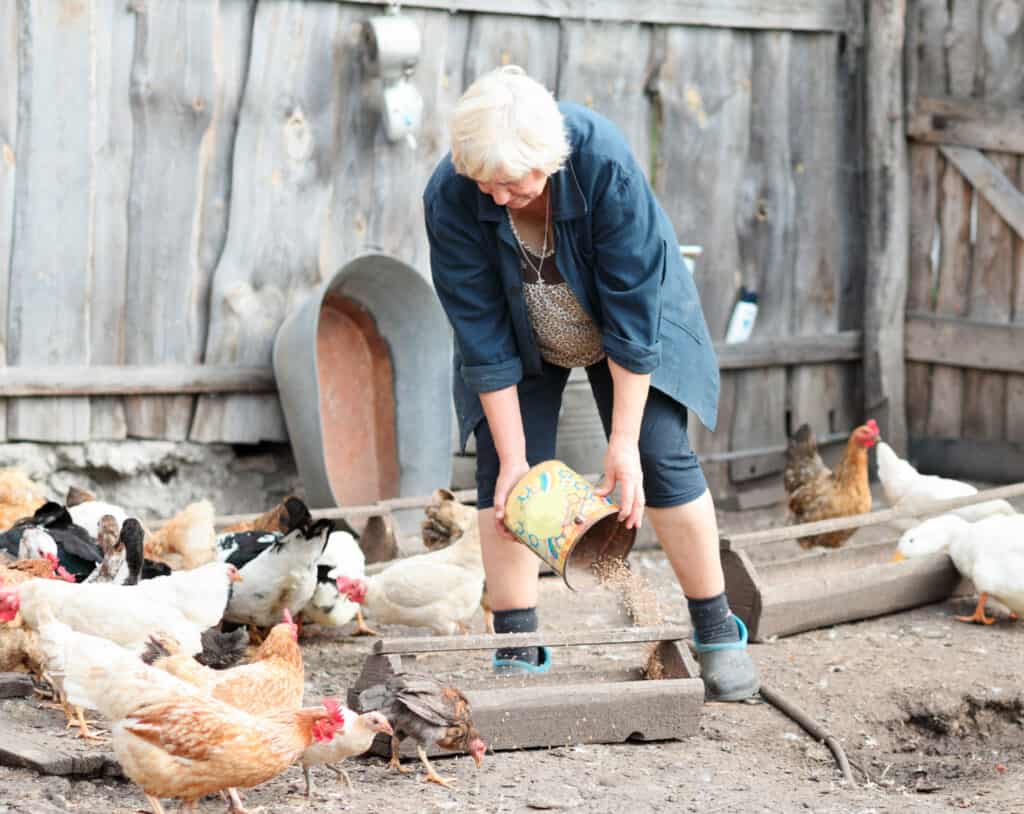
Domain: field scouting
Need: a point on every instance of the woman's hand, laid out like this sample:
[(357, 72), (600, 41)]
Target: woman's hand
[(622, 467), (508, 477)]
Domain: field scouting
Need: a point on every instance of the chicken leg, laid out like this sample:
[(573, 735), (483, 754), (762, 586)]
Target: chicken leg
[(83, 727), (235, 805), (154, 803), (978, 617), (341, 773), (394, 763), (432, 776), (361, 628)]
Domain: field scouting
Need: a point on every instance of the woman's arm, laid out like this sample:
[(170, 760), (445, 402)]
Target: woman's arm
[(622, 460), (506, 424)]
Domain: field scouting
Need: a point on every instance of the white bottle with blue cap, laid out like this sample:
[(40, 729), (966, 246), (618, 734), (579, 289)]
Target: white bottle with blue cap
[(744, 314)]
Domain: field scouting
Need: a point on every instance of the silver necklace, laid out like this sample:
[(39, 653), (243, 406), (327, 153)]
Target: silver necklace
[(544, 247)]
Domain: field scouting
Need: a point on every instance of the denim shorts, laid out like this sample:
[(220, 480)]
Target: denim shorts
[(672, 473)]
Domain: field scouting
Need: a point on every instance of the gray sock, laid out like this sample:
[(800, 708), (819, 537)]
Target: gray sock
[(519, 620), (712, 620)]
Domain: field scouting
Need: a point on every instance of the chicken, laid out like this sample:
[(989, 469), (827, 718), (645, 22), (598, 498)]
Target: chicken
[(817, 493), (37, 557), (77, 551), (356, 738), (89, 513), (19, 497), (278, 573), (443, 525), (201, 595), (186, 541), (76, 496), (169, 737), (906, 488), (108, 538), (272, 681), (342, 557), (440, 590), (289, 514), (425, 711), (20, 651)]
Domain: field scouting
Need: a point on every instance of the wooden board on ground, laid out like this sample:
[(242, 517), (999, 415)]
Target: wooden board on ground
[(25, 748), (15, 685), (568, 707), (820, 589)]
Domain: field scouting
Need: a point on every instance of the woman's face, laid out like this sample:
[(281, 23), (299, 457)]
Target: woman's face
[(515, 193)]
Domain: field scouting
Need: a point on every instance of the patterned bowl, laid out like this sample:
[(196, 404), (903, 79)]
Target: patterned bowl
[(555, 512)]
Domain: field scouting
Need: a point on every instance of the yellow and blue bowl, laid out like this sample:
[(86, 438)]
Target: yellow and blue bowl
[(555, 512)]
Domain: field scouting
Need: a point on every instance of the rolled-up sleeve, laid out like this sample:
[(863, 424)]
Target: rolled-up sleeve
[(471, 294), (629, 252)]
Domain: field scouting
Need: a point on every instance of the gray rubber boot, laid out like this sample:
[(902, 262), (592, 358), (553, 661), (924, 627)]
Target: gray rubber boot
[(727, 670)]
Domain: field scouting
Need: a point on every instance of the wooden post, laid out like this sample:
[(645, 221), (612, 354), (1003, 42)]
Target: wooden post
[(888, 214)]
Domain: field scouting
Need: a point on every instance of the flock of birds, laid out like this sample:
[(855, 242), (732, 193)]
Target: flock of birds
[(186, 641), (985, 540)]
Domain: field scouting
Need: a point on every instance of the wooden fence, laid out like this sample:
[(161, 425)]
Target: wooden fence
[(176, 177), (965, 301)]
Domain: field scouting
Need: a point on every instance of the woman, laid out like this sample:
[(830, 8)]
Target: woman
[(549, 251)]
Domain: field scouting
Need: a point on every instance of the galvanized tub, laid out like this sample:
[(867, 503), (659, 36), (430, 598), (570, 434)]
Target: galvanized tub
[(385, 305)]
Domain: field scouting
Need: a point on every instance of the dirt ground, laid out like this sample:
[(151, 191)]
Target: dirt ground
[(930, 712)]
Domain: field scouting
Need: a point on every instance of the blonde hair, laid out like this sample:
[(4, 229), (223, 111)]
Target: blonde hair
[(507, 122)]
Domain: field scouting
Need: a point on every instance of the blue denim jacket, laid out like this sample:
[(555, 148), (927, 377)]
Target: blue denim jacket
[(616, 249)]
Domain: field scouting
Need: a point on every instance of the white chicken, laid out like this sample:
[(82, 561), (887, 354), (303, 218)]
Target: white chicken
[(278, 573), (440, 590), (906, 488), (341, 557), (989, 552)]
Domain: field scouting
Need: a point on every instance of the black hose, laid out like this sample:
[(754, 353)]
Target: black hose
[(792, 711)]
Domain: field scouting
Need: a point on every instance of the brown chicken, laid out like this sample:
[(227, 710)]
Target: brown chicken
[(425, 711), (168, 736), (272, 681), (187, 540), (19, 497), (289, 514), (817, 493)]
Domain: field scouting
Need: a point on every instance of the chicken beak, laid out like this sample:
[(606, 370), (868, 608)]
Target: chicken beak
[(237, 577), (478, 759), (897, 557)]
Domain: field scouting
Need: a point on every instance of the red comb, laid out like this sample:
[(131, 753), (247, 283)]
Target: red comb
[(872, 425), (64, 574), (335, 710)]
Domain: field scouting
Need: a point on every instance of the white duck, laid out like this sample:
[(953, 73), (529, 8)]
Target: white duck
[(989, 552), (906, 488)]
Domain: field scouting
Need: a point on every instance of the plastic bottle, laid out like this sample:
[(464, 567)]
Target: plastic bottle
[(744, 314)]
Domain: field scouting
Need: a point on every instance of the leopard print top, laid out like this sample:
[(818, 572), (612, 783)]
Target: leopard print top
[(566, 335)]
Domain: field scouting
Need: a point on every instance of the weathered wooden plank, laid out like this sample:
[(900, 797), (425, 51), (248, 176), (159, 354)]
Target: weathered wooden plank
[(965, 343), (111, 156), (9, 33), (15, 685), (926, 64), (990, 179), (702, 98), (24, 749), (50, 263), (746, 540), (605, 66), (1014, 383), (511, 40), (842, 346), (828, 231), (551, 638), (764, 219), (136, 380), (983, 125), (787, 15), (888, 205), (963, 52), (303, 60), (173, 87)]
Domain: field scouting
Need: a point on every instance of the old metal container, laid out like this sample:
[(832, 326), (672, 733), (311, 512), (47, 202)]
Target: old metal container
[(555, 512)]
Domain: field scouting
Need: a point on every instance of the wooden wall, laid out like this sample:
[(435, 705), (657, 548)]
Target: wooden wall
[(965, 370), (176, 177)]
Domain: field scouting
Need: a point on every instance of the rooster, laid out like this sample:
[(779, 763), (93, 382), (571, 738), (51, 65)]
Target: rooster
[(357, 737), (171, 738), (817, 493), (422, 709)]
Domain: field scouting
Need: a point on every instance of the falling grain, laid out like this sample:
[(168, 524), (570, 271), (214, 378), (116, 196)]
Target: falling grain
[(638, 597)]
